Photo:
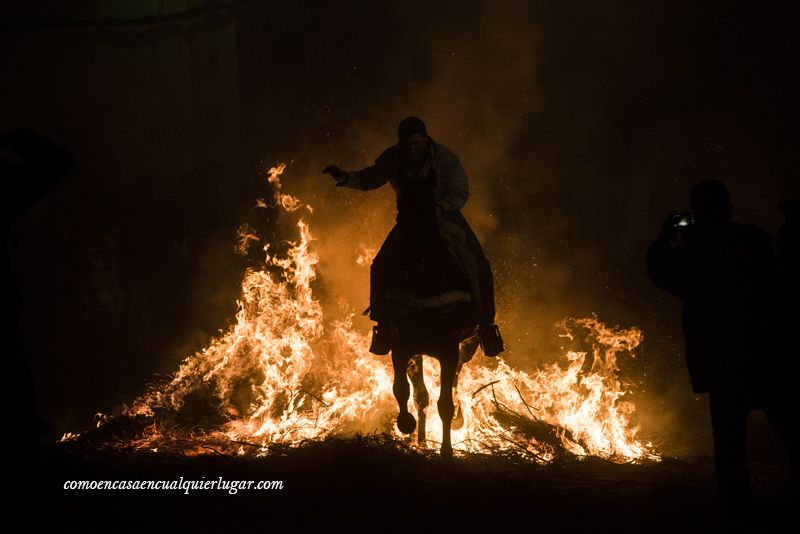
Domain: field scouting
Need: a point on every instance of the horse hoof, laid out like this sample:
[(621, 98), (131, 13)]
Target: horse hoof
[(406, 423)]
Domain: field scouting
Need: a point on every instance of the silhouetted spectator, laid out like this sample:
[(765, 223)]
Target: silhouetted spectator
[(724, 274), (787, 246), (30, 166)]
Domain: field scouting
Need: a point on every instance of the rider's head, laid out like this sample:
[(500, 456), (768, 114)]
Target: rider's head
[(413, 137), (711, 202)]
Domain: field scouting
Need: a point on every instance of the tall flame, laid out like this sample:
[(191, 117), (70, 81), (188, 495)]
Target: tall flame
[(283, 374)]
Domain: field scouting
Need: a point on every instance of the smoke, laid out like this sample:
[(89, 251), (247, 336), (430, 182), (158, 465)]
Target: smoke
[(580, 126), (578, 133), (472, 79), (541, 176)]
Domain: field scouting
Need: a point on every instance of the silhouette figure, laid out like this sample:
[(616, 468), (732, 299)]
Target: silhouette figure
[(417, 158), (30, 166), (724, 274), (428, 293), (787, 246)]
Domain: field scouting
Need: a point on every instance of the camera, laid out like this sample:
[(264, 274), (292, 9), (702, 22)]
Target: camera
[(678, 225), (683, 220)]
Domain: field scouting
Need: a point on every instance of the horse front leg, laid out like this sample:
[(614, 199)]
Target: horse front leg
[(405, 421), (448, 360), (421, 399)]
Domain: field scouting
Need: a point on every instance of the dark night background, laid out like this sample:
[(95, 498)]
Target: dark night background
[(580, 124)]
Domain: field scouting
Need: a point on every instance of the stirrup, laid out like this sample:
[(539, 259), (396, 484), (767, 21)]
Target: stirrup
[(381, 340), (491, 341)]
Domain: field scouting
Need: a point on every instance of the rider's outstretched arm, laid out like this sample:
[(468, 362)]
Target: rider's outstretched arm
[(371, 177)]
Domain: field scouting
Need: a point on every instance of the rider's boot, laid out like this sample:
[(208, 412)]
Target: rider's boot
[(381, 339), (491, 341)]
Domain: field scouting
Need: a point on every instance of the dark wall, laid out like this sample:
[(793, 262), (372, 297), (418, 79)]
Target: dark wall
[(127, 265)]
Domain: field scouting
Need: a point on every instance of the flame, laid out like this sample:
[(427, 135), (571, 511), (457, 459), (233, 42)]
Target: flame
[(287, 202), (69, 436), (245, 236), (365, 255), (283, 374)]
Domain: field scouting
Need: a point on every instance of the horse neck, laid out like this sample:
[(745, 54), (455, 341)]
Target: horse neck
[(418, 227), (416, 214)]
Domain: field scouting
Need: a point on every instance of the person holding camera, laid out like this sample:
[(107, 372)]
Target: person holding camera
[(724, 274)]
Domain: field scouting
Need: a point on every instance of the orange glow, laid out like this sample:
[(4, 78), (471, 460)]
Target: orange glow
[(284, 373)]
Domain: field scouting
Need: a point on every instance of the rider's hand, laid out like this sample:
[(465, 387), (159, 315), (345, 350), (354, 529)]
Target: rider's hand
[(670, 231), (338, 174)]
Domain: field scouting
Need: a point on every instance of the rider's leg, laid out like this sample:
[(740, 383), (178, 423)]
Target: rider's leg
[(379, 272), (379, 311), (491, 341)]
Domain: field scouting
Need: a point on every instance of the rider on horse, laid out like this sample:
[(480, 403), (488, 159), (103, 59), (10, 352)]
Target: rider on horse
[(416, 157)]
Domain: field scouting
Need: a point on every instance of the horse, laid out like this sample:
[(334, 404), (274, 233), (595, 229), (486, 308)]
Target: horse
[(429, 296)]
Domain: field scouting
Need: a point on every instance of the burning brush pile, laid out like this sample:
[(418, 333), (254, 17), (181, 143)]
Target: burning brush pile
[(284, 374)]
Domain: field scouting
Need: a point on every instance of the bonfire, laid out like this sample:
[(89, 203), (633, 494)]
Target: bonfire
[(284, 374)]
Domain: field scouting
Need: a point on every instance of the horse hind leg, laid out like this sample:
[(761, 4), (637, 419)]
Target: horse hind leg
[(405, 421), (468, 348), (421, 399), (449, 362), (458, 415), (466, 351)]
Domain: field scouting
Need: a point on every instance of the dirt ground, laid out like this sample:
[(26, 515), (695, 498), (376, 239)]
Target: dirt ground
[(374, 484)]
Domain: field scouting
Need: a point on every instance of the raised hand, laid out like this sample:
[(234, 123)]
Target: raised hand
[(338, 174)]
